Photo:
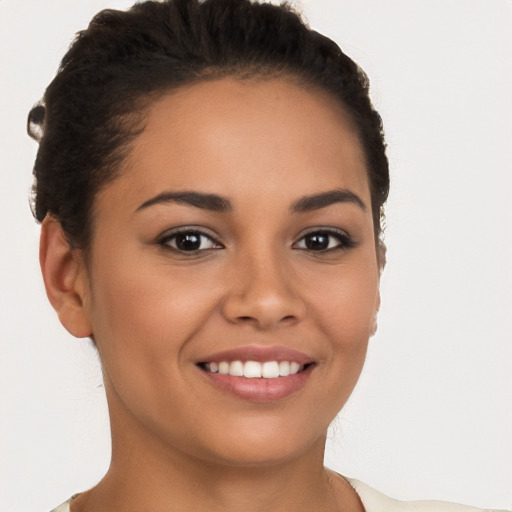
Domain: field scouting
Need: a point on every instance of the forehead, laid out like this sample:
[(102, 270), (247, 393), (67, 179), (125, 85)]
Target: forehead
[(232, 136)]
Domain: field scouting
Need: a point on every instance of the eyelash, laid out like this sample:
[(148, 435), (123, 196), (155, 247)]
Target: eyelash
[(166, 240), (343, 241)]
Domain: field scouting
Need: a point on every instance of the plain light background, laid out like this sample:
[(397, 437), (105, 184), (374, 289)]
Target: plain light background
[(432, 414)]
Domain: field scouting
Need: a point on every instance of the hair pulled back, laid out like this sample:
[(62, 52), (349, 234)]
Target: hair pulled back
[(95, 105)]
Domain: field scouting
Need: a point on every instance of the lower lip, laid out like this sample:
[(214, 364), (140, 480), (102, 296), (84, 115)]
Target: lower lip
[(260, 390)]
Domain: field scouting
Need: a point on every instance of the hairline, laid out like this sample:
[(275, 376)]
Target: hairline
[(136, 120)]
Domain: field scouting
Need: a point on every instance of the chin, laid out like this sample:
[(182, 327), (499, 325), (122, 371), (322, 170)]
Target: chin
[(265, 444)]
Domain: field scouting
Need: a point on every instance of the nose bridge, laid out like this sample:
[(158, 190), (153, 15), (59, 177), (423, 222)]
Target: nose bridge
[(263, 291), (266, 275)]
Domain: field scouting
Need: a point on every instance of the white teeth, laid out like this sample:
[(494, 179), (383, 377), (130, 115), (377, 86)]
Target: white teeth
[(224, 368), (252, 370), (255, 369), (270, 370), (236, 368), (284, 368), (294, 368)]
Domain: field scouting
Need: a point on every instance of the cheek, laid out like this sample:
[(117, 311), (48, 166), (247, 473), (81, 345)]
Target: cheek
[(349, 318), (145, 319), (345, 315), (346, 303), (147, 312), (142, 325)]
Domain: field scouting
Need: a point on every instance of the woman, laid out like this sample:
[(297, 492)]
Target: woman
[(214, 228)]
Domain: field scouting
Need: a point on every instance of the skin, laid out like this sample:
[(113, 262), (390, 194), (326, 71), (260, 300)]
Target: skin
[(180, 443)]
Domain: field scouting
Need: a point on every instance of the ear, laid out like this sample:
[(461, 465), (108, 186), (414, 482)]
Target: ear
[(381, 255), (65, 278), (381, 261)]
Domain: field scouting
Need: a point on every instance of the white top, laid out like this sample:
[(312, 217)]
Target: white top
[(374, 501)]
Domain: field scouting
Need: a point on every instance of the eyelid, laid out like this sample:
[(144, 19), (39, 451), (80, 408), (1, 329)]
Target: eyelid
[(168, 235), (345, 239), (323, 229)]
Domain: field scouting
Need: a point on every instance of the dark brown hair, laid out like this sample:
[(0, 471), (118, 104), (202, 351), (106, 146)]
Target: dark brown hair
[(114, 69)]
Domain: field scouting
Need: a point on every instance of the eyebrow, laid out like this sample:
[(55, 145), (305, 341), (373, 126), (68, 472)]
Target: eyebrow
[(212, 202), (216, 203), (324, 199)]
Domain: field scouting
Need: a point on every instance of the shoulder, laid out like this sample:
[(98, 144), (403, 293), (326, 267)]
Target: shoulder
[(64, 507), (374, 501)]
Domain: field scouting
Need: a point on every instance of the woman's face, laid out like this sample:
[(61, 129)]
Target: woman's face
[(240, 230)]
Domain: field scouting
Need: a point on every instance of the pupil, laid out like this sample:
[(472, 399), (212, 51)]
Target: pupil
[(317, 242), (188, 242)]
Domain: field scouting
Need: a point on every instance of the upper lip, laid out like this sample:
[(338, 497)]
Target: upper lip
[(259, 354)]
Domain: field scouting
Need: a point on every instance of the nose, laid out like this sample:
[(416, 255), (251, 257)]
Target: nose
[(263, 293)]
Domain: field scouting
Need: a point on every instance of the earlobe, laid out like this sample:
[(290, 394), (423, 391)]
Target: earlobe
[(64, 278), (375, 323)]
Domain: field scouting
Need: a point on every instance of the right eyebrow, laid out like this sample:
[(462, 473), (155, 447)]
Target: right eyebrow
[(324, 199), (212, 202)]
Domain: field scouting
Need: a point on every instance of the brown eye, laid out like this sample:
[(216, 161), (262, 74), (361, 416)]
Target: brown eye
[(189, 241), (317, 241), (325, 240)]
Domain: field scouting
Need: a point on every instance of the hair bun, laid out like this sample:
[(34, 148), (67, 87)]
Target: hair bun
[(35, 122)]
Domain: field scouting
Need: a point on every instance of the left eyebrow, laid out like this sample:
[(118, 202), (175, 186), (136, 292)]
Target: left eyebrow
[(323, 199)]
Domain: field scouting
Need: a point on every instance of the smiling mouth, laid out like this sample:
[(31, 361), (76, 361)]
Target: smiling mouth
[(255, 369)]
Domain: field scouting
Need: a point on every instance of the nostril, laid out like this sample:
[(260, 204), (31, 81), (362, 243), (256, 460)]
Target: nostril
[(262, 310), (285, 319)]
